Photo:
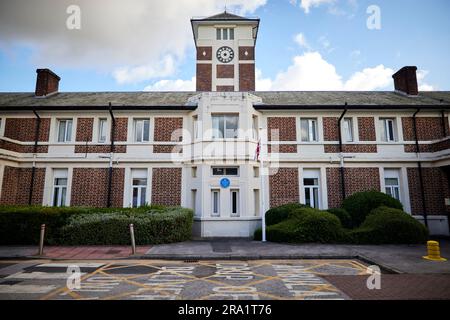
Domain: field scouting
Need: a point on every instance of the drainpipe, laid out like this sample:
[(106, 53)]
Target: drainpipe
[(419, 165), (110, 176), (35, 149), (341, 156)]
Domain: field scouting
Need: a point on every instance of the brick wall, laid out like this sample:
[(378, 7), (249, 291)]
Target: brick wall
[(165, 128), (356, 180), (351, 148), (121, 134), (435, 188), (282, 148), (204, 53), (16, 186), (11, 146), (330, 129), (225, 88), (286, 126), (250, 53), (366, 129), (246, 77), (284, 187), (24, 129), (428, 128), (167, 149), (204, 77), (166, 186), (90, 187), (85, 127), (104, 148), (225, 71)]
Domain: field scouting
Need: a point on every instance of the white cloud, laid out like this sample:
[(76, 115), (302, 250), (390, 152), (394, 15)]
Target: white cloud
[(423, 86), (126, 36), (300, 39), (306, 5), (310, 72), (172, 85)]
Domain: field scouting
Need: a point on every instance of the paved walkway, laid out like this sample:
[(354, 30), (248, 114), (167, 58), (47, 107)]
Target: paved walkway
[(395, 258)]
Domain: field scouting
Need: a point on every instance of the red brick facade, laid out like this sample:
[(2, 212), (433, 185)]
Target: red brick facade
[(282, 148), (286, 127), (331, 129), (24, 129), (351, 148), (436, 189), (168, 129), (85, 126), (225, 71), (250, 53), (90, 187), (246, 77), (366, 129), (428, 128), (166, 186), (204, 53), (17, 183), (356, 180), (11, 146), (204, 77), (104, 148), (283, 187), (121, 132)]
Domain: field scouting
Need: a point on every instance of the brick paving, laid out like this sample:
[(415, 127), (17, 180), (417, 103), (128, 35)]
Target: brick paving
[(394, 287), (92, 252)]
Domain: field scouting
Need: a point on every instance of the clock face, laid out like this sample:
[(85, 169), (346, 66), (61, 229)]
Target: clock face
[(225, 54)]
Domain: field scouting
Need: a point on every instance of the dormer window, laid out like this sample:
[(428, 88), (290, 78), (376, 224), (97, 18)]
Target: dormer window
[(225, 34)]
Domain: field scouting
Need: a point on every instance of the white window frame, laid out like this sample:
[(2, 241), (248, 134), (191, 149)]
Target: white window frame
[(393, 174), (236, 213), (67, 136), (225, 172), (60, 189), (103, 126), (313, 129), (224, 117), (348, 133), (255, 129), (310, 189), (386, 136), (215, 203), (139, 174), (142, 138)]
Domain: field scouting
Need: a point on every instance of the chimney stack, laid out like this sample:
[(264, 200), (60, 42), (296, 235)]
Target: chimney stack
[(405, 81), (47, 82)]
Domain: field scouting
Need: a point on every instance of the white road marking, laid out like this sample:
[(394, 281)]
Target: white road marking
[(30, 289), (66, 265), (39, 276)]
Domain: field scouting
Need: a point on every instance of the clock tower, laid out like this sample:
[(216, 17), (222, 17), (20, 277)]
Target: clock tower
[(225, 52)]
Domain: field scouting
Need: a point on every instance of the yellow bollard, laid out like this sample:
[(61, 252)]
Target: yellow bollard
[(434, 253)]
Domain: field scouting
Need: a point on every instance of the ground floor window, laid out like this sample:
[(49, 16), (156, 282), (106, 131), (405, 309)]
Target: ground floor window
[(311, 186), (60, 188), (139, 188), (235, 203), (392, 183), (215, 203)]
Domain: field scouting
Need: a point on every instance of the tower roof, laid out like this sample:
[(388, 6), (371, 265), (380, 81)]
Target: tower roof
[(226, 16)]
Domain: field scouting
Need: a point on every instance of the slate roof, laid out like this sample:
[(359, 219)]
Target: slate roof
[(179, 100), (225, 16)]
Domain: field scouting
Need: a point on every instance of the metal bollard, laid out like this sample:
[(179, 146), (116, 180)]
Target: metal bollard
[(434, 252), (133, 243), (41, 240)]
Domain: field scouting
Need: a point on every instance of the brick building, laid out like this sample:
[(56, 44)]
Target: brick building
[(197, 149)]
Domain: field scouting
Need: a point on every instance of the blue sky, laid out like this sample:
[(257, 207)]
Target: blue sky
[(302, 45)]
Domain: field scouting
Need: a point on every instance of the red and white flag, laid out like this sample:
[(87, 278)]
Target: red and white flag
[(258, 150)]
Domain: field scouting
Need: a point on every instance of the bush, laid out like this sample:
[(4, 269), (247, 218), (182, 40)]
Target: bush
[(343, 216), (390, 226), (305, 225), (359, 205), (279, 214), (88, 226)]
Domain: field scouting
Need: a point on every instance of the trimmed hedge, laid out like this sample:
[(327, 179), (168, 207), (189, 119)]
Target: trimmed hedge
[(305, 225), (279, 214), (343, 216), (360, 204), (389, 226), (88, 226)]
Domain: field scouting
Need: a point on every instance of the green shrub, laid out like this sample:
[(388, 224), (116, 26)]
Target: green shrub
[(359, 205), (305, 225), (343, 216), (390, 226), (21, 224), (279, 214)]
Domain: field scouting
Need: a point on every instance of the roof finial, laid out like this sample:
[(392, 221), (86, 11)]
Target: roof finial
[(225, 8)]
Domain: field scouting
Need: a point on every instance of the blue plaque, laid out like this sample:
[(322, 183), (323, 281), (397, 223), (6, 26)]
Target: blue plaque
[(225, 183)]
